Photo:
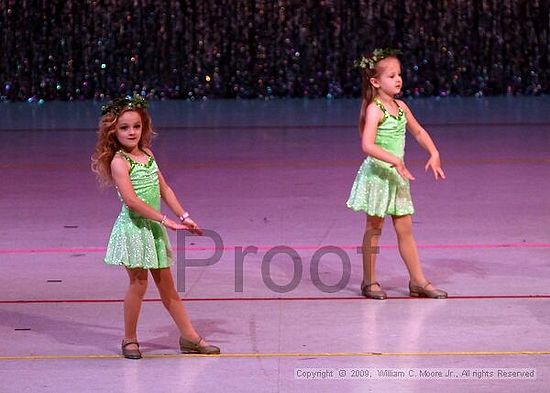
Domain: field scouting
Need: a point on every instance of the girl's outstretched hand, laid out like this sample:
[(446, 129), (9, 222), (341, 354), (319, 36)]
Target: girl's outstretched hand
[(185, 225), (403, 171), (435, 164), (168, 223), (191, 226)]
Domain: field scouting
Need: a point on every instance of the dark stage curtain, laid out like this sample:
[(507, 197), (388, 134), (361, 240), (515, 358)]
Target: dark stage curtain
[(195, 49)]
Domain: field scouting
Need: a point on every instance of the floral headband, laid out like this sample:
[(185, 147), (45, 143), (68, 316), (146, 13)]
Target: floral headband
[(378, 54), (119, 104)]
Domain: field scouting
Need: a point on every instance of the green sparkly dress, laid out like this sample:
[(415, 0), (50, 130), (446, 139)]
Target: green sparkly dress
[(138, 242), (378, 189)]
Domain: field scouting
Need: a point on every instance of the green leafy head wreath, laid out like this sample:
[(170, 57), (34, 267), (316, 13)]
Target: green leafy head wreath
[(368, 63), (117, 105)]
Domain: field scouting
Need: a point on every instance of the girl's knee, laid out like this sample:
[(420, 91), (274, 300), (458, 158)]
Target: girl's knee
[(375, 224), (403, 226), (138, 286)]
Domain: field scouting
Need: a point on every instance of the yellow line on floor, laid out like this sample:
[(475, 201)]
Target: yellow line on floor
[(256, 355)]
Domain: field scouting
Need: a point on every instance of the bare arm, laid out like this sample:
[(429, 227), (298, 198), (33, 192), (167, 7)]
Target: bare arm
[(120, 173), (368, 138), (169, 197), (424, 140)]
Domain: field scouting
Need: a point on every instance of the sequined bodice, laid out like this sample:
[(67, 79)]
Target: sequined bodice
[(391, 131), (145, 180)]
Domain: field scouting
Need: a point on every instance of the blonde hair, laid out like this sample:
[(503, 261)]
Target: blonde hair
[(107, 144), (368, 91)]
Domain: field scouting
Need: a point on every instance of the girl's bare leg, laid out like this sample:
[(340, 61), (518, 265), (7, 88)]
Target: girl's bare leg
[(174, 305), (409, 251), (132, 302), (370, 250)]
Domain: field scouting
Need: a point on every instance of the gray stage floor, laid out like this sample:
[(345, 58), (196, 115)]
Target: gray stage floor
[(277, 173)]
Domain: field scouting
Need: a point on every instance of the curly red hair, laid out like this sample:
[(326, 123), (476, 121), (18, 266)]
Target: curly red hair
[(107, 144)]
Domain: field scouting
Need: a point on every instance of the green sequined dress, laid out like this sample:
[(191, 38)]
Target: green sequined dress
[(138, 242), (378, 189)]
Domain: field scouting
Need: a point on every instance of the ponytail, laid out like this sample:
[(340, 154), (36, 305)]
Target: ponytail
[(368, 93)]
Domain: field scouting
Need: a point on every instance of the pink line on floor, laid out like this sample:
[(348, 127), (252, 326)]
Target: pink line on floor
[(63, 250), (299, 298), (54, 250)]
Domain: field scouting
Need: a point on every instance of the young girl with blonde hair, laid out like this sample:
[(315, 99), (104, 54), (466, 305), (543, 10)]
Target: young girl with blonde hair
[(381, 186)]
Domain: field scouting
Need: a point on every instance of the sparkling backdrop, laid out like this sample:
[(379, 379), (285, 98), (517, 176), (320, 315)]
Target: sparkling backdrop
[(196, 49)]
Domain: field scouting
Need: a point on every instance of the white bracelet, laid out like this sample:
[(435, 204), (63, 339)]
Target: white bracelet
[(184, 216), (163, 220)]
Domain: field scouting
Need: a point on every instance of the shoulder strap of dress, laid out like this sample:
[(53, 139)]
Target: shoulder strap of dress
[(380, 106), (400, 111), (126, 156)]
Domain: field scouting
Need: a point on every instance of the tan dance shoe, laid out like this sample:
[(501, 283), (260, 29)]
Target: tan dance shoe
[(421, 291), (130, 353), (187, 346), (368, 293)]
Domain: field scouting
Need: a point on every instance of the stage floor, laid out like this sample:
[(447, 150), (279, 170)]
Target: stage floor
[(263, 174)]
